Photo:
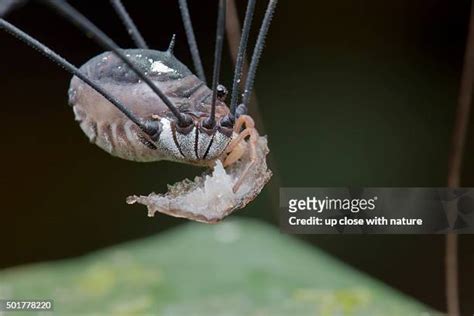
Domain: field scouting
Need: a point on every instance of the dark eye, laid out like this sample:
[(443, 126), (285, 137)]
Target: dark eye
[(221, 92)]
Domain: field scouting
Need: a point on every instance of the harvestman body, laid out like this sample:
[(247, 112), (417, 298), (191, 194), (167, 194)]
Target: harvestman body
[(145, 105), (115, 133)]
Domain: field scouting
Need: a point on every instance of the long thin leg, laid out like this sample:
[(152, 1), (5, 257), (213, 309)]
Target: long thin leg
[(233, 36), (43, 49), (217, 60), (257, 52), (129, 24), (188, 27), (88, 27), (239, 63)]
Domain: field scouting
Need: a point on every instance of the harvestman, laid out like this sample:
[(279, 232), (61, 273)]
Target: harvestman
[(145, 105)]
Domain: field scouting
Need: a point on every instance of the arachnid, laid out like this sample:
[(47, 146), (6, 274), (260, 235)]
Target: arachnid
[(145, 105)]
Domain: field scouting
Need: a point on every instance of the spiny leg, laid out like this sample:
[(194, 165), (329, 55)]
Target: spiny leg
[(249, 124), (129, 24), (243, 119), (188, 27), (235, 151), (63, 8), (147, 127)]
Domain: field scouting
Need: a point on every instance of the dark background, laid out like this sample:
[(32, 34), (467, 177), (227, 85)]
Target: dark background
[(358, 93)]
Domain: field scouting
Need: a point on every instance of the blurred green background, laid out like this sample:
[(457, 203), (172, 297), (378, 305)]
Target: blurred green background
[(358, 93)]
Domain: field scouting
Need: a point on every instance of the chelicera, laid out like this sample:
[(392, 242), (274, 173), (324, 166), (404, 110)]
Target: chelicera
[(145, 105)]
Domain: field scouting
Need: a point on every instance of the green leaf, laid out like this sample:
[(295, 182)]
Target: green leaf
[(238, 267)]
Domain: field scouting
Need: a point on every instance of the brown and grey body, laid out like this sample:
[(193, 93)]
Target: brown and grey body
[(112, 131)]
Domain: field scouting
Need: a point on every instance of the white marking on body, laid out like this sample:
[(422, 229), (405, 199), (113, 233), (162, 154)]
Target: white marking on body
[(218, 146), (159, 67), (166, 142), (187, 143), (203, 143)]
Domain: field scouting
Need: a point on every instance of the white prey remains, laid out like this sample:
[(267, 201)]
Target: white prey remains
[(210, 197)]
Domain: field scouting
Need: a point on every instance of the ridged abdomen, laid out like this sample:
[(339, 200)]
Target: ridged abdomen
[(112, 131)]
